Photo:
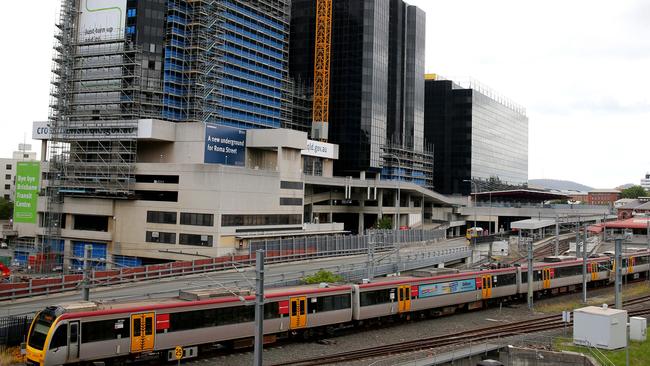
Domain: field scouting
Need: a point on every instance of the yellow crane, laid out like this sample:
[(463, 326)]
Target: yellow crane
[(322, 49)]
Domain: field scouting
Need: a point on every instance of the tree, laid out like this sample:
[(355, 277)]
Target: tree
[(634, 192), (384, 223), (6, 209), (322, 276)]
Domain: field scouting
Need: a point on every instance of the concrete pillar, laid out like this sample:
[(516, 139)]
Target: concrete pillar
[(44, 150), (380, 203), (361, 223)]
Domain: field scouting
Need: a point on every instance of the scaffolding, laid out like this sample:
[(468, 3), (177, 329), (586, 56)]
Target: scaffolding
[(412, 166), (196, 55)]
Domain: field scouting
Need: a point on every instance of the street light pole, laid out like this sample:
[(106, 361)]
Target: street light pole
[(475, 199)]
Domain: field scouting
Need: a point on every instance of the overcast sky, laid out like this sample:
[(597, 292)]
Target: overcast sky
[(581, 68)]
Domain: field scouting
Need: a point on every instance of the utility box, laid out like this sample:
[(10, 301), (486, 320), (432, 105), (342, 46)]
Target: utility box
[(638, 328), (600, 327)]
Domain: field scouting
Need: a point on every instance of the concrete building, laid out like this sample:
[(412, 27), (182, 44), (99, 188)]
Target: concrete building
[(376, 71), (477, 135), (8, 170), (205, 191)]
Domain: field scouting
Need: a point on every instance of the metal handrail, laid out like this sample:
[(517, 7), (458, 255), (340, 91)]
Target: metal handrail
[(153, 272)]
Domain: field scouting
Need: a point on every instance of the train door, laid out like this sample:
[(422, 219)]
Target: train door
[(142, 332), (404, 298), (546, 278), (594, 271), (630, 264), (74, 340), (486, 288), (298, 315)]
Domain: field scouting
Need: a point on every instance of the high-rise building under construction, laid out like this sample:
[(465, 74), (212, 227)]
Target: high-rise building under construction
[(119, 62), (214, 61), (375, 99)]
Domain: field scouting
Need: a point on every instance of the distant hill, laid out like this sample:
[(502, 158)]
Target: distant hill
[(625, 186), (560, 185)]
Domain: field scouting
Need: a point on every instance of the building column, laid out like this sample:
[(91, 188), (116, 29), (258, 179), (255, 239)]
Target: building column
[(380, 203), (361, 223)]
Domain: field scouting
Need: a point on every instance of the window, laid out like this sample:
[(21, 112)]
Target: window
[(104, 330), (25, 156), (330, 303), (91, 223), (197, 219), (130, 13), (7, 186), (161, 196), (60, 337), (161, 217), (376, 297), (7, 176), (160, 237), (287, 201), (212, 317), (156, 178), (290, 185), (271, 310), (130, 30), (7, 197), (260, 220), (8, 166), (195, 239), (504, 280)]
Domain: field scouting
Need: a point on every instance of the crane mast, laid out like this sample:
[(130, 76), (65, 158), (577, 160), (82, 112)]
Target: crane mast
[(322, 50)]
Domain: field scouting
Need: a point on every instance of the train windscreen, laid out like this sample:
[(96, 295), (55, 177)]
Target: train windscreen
[(41, 326)]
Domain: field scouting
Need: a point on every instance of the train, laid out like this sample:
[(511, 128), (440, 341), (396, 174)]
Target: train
[(116, 332)]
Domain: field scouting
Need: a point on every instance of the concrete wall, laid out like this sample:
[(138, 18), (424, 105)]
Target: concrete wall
[(513, 356)]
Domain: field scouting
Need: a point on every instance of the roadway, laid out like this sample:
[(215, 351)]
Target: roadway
[(240, 278)]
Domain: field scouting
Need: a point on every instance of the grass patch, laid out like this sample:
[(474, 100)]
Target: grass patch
[(11, 356), (557, 306), (639, 351)]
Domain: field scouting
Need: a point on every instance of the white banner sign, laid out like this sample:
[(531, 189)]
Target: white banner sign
[(321, 150)]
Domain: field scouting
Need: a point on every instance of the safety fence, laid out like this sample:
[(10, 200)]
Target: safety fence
[(13, 330), (340, 245), (282, 252)]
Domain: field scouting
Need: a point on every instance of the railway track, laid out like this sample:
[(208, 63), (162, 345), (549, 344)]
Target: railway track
[(551, 322), (544, 251)]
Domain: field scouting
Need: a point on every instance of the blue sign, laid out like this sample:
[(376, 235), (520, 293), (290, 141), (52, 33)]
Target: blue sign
[(224, 145), (445, 288)]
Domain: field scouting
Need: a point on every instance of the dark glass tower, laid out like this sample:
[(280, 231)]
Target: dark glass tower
[(476, 135), (376, 78)]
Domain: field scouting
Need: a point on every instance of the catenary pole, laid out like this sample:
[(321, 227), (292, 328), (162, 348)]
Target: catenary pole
[(584, 266), (259, 308), (557, 235), (618, 248), (86, 286), (530, 275)]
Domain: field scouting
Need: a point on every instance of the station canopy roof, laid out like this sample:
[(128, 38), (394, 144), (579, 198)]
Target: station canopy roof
[(520, 194), (532, 224)]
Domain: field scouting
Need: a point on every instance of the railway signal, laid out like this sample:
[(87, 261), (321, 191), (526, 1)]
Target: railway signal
[(178, 352)]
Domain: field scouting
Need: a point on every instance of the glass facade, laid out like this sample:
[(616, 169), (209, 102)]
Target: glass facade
[(475, 136), (226, 62), (499, 141)]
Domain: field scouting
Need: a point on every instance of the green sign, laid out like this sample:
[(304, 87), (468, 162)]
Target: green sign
[(27, 178)]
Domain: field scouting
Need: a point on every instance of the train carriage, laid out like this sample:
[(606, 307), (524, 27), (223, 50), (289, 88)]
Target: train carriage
[(116, 332), (88, 331), (411, 294)]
